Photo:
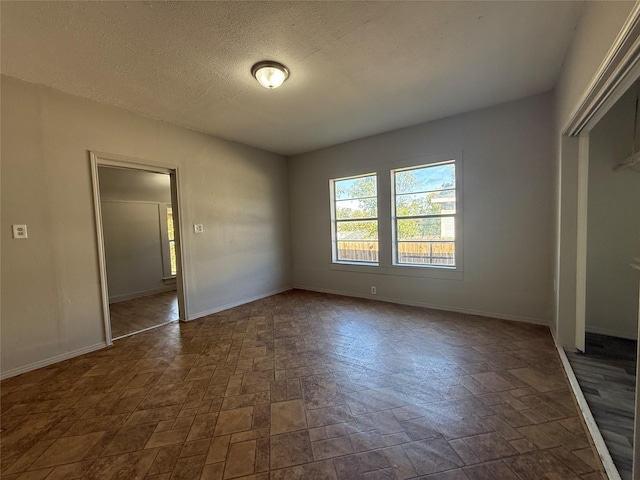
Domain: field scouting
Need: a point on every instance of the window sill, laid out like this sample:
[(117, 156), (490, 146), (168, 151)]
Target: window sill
[(356, 264), (418, 271)]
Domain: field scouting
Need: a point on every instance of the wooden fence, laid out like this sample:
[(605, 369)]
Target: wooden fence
[(415, 253)]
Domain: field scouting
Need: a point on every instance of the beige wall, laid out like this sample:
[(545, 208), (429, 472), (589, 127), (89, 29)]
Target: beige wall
[(51, 305), (613, 229), (507, 166), (595, 33), (125, 184), (133, 204), (133, 249)]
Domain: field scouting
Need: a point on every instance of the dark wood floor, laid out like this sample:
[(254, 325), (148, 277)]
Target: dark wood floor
[(607, 376), (135, 315), (304, 386)]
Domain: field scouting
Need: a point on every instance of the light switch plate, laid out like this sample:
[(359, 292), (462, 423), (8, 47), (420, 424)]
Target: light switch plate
[(19, 231), (198, 228)]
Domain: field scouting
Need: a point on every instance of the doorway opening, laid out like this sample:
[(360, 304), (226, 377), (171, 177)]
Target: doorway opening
[(585, 288), (606, 370), (137, 223)]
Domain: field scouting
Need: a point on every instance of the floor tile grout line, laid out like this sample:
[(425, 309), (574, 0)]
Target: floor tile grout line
[(250, 342)]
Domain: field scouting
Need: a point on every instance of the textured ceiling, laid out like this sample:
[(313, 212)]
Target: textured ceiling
[(357, 68)]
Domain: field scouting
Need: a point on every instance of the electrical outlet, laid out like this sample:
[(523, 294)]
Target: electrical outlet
[(198, 228), (19, 231), (373, 290)]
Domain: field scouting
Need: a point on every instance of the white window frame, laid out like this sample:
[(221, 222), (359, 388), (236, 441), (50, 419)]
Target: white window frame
[(335, 221), (456, 216)]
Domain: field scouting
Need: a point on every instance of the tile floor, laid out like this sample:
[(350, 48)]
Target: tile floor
[(304, 385), (138, 314)]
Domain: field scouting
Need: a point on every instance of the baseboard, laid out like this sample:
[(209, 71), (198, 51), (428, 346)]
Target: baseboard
[(535, 321), (237, 304), (611, 333), (598, 441), (143, 293), (51, 361)]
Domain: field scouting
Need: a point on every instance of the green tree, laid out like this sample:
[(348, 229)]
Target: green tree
[(356, 198), (418, 192)]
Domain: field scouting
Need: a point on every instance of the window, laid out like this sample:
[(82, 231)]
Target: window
[(172, 241), (355, 219), (424, 215)]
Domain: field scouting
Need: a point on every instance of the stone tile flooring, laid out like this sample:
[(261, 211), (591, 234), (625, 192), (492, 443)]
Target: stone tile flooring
[(138, 314), (304, 385)]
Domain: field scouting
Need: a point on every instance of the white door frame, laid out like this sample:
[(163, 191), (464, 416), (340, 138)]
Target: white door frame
[(617, 73), (581, 245), (98, 159), (619, 70)]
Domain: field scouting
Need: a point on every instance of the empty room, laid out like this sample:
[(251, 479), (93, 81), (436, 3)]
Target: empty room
[(319, 240)]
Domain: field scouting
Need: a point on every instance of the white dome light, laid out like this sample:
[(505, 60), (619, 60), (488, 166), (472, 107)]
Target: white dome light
[(270, 74)]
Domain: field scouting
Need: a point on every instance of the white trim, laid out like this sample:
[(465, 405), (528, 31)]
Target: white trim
[(457, 216), (238, 303), (97, 206), (50, 361), (143, 293), (146, 329), (581, 242), (179, 232), (335, 220), (119, 161), (615, 72), (447, 308), (598, 441)]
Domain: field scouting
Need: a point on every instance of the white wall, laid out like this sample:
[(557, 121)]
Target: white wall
[(507, 211), (595, 33), (51, 305), (613, 228)]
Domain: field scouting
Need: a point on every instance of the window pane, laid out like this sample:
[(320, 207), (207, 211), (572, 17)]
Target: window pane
[(426, 179), (358, 251), (360, 187), (362, 208), (172, 256), (355, 221), (170, 233), (353, 231), (442, 228), (426, 253), (428, 203)]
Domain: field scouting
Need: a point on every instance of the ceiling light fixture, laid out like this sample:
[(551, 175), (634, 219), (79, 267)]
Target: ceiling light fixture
[(270, 74)]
